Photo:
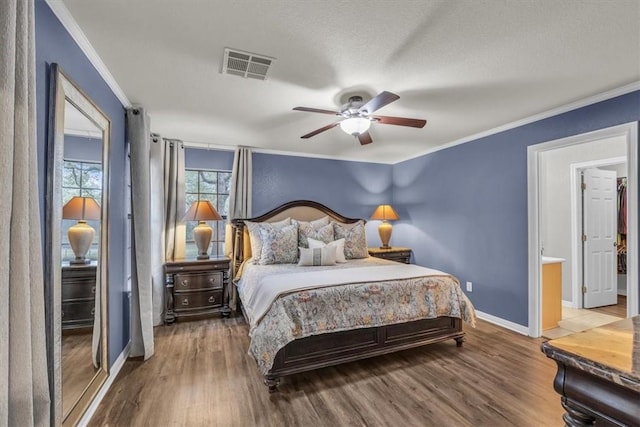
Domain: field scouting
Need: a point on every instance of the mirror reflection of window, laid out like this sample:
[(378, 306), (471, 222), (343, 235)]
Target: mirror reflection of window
[(211, 185)]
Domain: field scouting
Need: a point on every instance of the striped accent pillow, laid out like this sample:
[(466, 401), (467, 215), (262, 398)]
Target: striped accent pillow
[(317, 256)]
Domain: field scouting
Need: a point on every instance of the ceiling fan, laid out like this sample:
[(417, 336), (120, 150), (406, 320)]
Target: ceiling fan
[(356, 117)]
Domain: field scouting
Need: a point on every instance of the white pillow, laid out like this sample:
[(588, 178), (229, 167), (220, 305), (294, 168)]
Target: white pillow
[(337, 244), (317, 256)]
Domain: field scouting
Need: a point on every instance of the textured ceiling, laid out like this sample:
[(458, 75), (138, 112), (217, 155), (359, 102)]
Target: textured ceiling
[(464, 66)]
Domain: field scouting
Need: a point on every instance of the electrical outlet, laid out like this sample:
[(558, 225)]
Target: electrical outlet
[(469, 287)]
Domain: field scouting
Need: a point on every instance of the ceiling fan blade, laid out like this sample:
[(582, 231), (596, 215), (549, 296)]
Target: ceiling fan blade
[(317, 110), (379, 101), (322, 129), (400, 121), (365, 138)]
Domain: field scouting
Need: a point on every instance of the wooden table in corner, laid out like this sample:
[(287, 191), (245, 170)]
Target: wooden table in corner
[(394, 253), (196, 288), (599, 374)]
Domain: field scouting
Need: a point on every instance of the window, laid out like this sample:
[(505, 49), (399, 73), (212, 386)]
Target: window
[(213, 186), (81, 179)]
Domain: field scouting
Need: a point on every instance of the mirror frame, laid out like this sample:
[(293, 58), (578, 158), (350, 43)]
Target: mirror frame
[(61, 89)]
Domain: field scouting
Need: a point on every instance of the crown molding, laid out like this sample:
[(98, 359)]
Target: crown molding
[(209, 146), (74, 30), (623, 90)]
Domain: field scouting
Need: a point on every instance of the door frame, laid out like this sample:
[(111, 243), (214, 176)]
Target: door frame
[(576, 223), (630, 132)]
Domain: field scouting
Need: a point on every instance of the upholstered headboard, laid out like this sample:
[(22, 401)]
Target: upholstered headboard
[(301, 210)]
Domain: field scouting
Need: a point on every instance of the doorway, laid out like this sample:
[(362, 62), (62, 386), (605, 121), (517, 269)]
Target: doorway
[(543, 239)]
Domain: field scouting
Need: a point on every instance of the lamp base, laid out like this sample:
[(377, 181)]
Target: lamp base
[(384, 230), (202, 235), (80, 238)]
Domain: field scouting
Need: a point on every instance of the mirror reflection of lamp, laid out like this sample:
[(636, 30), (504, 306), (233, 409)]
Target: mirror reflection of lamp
[(81, 234), (202, 210), (385, 213)]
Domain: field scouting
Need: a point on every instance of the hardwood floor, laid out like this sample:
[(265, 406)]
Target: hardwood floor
[(201, 375), (619, 310), (77, 367)]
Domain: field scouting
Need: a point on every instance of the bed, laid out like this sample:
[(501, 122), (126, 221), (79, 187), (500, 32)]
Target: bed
[(308, 317)]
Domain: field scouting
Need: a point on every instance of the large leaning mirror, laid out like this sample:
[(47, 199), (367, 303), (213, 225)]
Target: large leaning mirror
[(77, 226)]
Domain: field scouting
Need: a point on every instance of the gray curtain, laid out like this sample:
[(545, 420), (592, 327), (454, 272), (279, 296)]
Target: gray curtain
[(174, 200), (167, 209), (24, 386), (141, 264), (239, 203)]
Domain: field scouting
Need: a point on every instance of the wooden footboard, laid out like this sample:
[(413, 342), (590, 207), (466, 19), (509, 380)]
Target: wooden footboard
[(324, 350)]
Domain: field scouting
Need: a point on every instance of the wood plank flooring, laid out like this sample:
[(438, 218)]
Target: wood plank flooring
[(77, 367), (201, 375), (619, 310)]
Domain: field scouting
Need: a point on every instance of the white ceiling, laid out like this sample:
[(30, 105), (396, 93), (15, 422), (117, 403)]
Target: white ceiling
[(466, 66)]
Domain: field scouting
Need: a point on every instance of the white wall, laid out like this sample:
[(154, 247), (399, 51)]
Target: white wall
[(555, 197), (621, 169)]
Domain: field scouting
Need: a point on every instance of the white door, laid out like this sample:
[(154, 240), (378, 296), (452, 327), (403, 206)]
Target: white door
[(599, 200)]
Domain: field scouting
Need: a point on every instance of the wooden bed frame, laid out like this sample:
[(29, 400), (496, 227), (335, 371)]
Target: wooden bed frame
[(333, 348)]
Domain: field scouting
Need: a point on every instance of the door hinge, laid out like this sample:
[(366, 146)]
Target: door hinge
[(584, 289), (584, 237), (583, 185)]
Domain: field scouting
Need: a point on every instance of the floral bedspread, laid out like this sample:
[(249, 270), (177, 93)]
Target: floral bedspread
[(350, 306)]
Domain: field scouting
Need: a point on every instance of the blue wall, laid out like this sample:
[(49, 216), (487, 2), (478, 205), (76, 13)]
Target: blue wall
[(464, 209), (196, 158), (353, 189), (55, 45), (82, 149)]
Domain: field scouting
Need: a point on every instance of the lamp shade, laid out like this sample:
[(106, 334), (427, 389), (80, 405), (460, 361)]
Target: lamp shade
[(385, 213), (355, 125), (81, 208), (202, 210)]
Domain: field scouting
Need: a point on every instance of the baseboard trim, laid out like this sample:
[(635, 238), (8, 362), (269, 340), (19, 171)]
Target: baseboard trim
[(515, 327), (113, 374), (568, 304)]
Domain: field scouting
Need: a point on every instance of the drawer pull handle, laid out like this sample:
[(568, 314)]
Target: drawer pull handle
[(185, 301), (93, 311), (185, 282), (93, 290), (62, 314), (212, 299), (212, 280)]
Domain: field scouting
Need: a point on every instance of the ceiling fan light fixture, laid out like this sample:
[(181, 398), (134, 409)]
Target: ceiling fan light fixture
[(355, 125)]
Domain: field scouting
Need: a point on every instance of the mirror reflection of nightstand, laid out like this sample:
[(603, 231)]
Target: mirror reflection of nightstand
[(395, 253), (78, 295)]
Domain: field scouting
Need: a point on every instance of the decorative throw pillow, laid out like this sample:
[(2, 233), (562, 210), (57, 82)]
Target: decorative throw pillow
[(254, 235), (317, 256), (319, 229), (337, 244), (279, 245), (355, 240)]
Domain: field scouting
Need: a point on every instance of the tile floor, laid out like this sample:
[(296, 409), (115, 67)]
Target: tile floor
[(577, 320)]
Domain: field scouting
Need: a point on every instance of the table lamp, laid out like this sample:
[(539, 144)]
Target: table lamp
[(81, 234), (385, 213), (202, 210)]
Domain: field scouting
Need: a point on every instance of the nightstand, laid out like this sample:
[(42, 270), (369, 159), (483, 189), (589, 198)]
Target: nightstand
[(196, 288), (395, 253), (78, 295)]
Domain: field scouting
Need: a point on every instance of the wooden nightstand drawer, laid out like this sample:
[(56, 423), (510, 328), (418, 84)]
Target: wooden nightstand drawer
[(79, 312), (192, 281), (76, 290), (198, 300), (393, 254)]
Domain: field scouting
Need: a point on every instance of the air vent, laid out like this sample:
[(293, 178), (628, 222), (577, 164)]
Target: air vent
[(245, 64)]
